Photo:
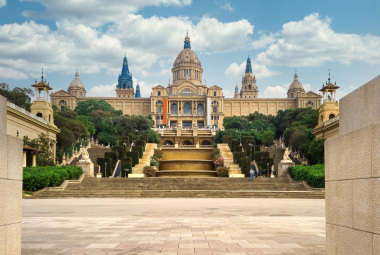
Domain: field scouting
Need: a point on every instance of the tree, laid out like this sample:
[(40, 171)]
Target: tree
[(42, 143), (267, 138), (90, 105), (235, 122), (18, 96), (85, 120), (297, 139), (317, 151)]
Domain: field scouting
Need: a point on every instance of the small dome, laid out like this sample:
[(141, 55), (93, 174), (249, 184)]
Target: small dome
[(76, 83), (296, 84)]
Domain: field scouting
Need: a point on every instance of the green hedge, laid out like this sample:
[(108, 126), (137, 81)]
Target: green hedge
[(313, 175), (134, 155), (120, 150), (126, 166), (39, 177), (139, 149), (262, 159), (141, 143)]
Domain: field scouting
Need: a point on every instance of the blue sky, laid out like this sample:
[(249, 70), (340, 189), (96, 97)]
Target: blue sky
[(279, 36)]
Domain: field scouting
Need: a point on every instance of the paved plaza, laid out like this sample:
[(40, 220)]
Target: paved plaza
[(173, 226)]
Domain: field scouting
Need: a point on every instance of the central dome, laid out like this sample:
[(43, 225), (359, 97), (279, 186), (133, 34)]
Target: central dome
[(187, 65)]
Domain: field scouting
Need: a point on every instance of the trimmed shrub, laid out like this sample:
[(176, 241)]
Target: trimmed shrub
[(139, 149), (154, 161), (158, 153), (134, 155), (214, 145), (237, 157), (120, 150), (36, 178), (222, 171), (123, 142), (245, 165), (262, 159), (234, 145), (126, 166), (141, 143), (313, 175)]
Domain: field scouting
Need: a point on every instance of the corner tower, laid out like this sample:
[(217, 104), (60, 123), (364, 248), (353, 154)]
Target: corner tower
[(124, 87), (187, 66), (41, 106), (330, 108), (248, 84)]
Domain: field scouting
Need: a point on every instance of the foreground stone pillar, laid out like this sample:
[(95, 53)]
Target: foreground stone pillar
[(87, 167), (352, 162), (11, 161)]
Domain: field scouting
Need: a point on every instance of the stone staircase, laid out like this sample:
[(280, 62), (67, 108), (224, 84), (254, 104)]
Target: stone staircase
[(161, 187), (145, 160), (226, 153)]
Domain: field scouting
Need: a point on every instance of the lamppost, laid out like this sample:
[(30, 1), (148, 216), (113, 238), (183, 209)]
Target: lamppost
[(252, 150), (268, 170), (105, 169)]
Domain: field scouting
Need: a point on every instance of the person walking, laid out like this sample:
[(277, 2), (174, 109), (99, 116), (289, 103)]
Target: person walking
[(252, 172)]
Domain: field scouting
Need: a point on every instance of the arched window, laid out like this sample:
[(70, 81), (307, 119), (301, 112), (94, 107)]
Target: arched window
[(174, 109), (200, 109), (331, 116), (159, 93), (215, 94), (249, 86), (187, 108), (39, 114)]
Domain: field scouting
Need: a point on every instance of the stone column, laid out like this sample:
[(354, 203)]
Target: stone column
[(352, 161), (283, 167), (11, 161), (24, 159), (34, 161)]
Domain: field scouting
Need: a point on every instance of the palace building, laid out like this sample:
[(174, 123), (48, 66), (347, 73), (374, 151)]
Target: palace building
[(187, 102)]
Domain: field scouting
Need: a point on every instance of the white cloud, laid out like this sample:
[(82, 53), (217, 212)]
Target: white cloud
[(228, 93), (311, 42), (8, 73), (225, 5), (237, 71), (264, 40), (273, 92), (102, 91), (3, 3), (97, 12)]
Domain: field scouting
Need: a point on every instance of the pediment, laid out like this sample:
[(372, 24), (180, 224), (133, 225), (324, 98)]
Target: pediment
[(158, 87), (61, 93), (310, 94), (215, 87)]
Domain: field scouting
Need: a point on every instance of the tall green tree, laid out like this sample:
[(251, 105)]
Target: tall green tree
[(88, 106), (19, 96)]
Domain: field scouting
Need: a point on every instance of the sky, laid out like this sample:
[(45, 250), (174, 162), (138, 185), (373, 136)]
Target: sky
[(281, 37)]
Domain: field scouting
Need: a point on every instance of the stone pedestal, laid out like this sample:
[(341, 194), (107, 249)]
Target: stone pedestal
[(283, 167), (87, 167)]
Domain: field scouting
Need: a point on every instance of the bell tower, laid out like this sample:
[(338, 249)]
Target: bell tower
[(41, 106), (330, 108), (248, 84)]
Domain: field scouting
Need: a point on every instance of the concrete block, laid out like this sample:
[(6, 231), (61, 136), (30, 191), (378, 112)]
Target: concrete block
[(3, 156), (376, 151), (351, 158), (339, 203), (13, 242), (3, 234), (331, 155), (367, 204), (3, 115), (376, 244), (352, 116), (10, 201), (347, 241), (15, 157)]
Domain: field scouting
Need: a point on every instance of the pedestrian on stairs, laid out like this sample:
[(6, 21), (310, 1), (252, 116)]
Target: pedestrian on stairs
[(252, 172)]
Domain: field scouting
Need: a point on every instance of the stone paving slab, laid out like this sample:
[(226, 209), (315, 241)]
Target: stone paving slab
[(173, 226)]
